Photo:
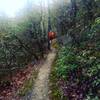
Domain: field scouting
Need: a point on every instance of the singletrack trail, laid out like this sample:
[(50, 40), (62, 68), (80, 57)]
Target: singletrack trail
[(41, 87)]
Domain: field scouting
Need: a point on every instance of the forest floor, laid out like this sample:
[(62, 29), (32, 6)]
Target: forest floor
[(41, 87), (31, 83)]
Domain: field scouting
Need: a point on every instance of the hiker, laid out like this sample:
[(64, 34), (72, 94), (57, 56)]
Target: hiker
[(51, 36)]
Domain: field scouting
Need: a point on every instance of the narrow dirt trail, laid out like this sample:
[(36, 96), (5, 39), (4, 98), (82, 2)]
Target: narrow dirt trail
[(41, 87)]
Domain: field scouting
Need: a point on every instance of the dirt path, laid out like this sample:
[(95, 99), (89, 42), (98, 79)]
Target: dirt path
[(41, 88)]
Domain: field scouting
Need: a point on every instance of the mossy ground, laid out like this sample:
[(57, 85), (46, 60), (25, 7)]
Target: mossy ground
[(28, 84), (55, 92)]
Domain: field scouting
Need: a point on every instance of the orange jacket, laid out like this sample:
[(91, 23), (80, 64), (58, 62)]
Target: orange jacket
[(51, 35)]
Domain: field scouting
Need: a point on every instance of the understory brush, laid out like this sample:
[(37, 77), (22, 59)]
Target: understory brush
[(77, 68)]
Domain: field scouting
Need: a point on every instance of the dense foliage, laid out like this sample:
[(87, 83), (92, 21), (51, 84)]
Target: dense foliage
[(22, 40), (78, 68), (75, 18)]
